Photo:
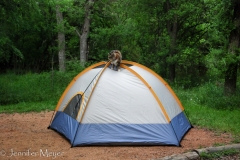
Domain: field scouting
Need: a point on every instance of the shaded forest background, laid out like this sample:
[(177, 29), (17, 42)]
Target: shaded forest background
[(186, 42)]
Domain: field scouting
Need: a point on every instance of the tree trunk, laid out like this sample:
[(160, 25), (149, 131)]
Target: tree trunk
[(230, 83), (172, 28), (61, 40), (85, 32)]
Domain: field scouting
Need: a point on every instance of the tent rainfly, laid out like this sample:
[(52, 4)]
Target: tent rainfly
[(134, 106)]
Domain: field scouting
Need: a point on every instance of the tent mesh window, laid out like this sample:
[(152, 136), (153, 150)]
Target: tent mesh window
[(73, 106)]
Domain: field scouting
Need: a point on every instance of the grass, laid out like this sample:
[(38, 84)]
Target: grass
[(207, 107), (32, 92), (229, 153), (222, 120), (28, 107), (32, 87)]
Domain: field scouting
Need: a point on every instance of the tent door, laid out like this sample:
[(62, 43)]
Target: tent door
[(73, 106)]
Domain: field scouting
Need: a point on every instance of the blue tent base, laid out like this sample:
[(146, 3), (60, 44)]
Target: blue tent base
[(120, 134)]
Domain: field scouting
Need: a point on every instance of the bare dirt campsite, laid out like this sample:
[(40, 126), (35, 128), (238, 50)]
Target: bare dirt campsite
[(25, 136)]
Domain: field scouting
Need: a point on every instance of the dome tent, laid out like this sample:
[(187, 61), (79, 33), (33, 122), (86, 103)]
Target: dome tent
[(132, 107)]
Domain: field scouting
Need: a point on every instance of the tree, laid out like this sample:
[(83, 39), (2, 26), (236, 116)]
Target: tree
[(170, 35), (233, 49), (26, 35), (172, 29), (61, 39), (113, 28), (10, 19), (186, 25), (85, 32)]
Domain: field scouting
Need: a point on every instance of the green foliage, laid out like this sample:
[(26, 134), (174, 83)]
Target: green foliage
[(7, 48), (26, 35), (207, 107), (141, 29), (212, 95), (35, 92), (74, 67), (215, 155), (213, 119), (32, 87), (23, 107)]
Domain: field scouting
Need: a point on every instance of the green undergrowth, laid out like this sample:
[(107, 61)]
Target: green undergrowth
[(222, 120), (206, 106), (32, 92), (33, 87), (28, 107), (228, 154)]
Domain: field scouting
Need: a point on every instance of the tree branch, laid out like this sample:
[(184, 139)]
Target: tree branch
[(77, 32)]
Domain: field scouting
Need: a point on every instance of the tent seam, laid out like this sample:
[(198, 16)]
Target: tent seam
[(87, 102), (158, 77), (151, 90), (92, 91), (74, 80)]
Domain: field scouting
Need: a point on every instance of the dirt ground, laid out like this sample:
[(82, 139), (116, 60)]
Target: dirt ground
[(25, 136)]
